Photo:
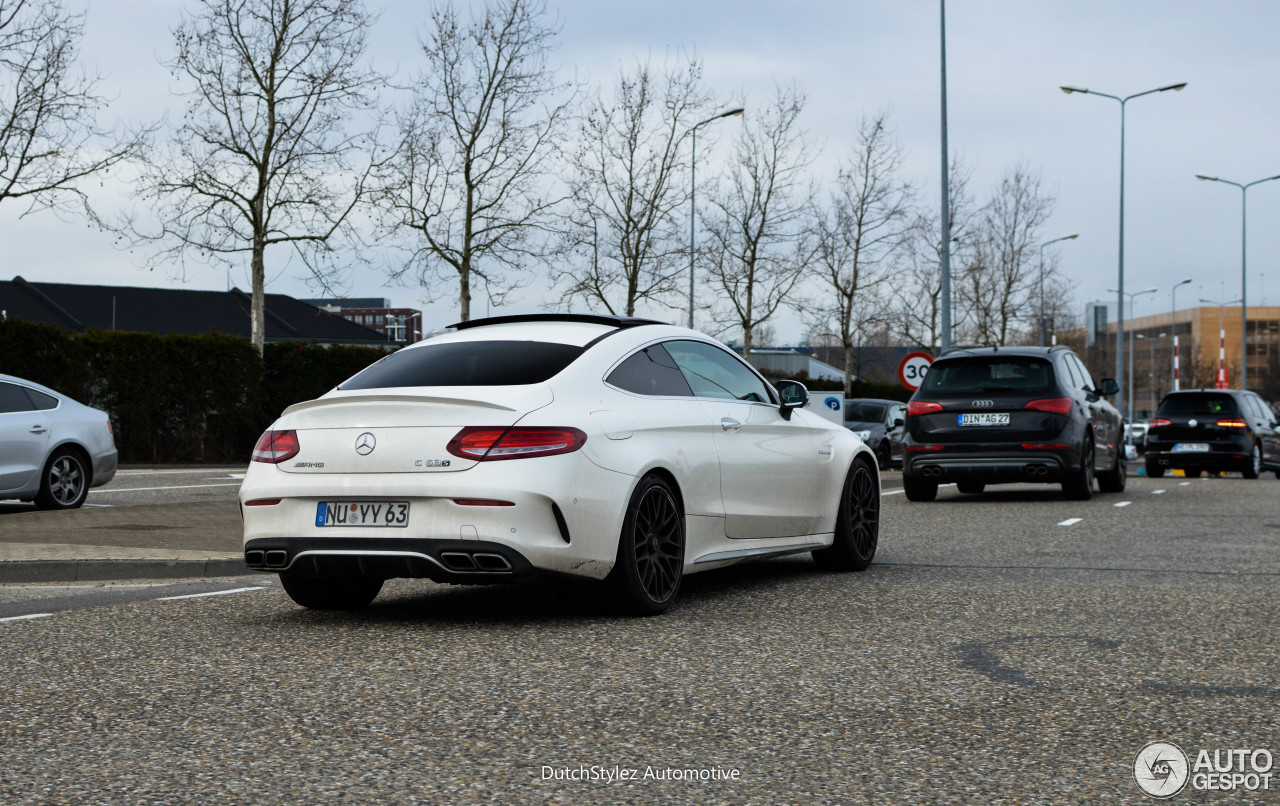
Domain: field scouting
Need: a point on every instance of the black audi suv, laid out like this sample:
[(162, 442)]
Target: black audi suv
[(997, 415), (1214, 430)]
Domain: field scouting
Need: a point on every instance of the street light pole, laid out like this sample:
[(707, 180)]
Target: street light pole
[(693, 189), (1173, 329), (1244, 294), (1120, 283), (944, 290), (1042, 246), (1129, 397)]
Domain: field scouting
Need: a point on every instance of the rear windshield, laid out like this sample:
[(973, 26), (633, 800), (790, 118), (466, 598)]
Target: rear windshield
[(1208, 403), (865, 412), (989, 374), (468, 363)]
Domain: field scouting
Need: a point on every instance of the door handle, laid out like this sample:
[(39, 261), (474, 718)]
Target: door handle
[(729, 424), (38, 429)]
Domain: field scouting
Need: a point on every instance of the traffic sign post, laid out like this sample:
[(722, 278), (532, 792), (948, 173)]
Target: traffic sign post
[(912, 370)]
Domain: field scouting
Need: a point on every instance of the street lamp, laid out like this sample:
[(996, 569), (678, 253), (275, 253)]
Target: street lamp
[(1119, 347), (693, 189), (1042, 246), (1173, 328), (1244, 293), (1120, 291)]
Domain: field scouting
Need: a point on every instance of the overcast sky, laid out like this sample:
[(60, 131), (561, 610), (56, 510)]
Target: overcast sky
[(1006, 59)]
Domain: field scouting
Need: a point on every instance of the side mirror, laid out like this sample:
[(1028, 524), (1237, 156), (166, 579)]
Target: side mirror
[(1108, 387), (794, 395), (898, 422)]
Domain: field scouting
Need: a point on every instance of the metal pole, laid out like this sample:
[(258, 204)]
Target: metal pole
[(945, 268), (693, 189), (1244, 294), (1124, 394), (1130, 364), (1042, 334)]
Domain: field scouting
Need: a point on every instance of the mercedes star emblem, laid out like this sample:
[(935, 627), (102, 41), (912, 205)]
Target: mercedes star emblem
[(365, 444)]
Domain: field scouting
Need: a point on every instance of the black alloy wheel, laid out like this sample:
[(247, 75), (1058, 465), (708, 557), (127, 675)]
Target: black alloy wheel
[(330, 593), (65, 483), (650, 563), (1080, 486), (1254, 468), (857, 530), (883, 458)]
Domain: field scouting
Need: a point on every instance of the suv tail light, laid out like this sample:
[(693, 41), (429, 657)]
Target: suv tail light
[(918, 407), (275, 447), (1158, 422), (1053, 405), (488, 443), (1233, 422)]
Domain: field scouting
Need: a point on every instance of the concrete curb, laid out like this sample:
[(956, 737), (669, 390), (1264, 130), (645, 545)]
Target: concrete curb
[(107, 570)]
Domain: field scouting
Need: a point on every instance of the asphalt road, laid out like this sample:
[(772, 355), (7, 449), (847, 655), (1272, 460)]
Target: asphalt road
[(1005, 648)]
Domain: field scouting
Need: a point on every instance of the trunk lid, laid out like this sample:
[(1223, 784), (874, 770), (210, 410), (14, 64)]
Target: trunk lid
[(1024, 425)]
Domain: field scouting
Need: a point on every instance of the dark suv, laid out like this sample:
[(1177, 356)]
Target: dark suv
[(1207, 429), (997, 415)]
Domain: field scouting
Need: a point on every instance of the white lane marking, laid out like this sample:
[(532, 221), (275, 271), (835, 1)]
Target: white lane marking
[(1184, 484), (24, 618), (213, 593), (192, 472), (176, 487), (1157, 492), (1124, 503), (108, 506), (1071, 521)]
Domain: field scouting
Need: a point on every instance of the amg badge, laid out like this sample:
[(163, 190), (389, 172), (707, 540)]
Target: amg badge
[(431, 463)]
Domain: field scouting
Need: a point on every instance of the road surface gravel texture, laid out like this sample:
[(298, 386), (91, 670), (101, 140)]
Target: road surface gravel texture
[(990, 656)]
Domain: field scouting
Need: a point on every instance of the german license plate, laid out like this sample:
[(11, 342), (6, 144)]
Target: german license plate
[(983, 418), (362, 513), (1191, 447)]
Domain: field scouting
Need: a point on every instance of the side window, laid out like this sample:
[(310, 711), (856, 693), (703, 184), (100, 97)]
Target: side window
[(42, 401), (13, 398), (1085, 378), (898, 413), (1069, 373), (712, 372), (1255, 407), (650, 372)]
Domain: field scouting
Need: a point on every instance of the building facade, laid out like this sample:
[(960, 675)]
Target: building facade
[(397, 325)]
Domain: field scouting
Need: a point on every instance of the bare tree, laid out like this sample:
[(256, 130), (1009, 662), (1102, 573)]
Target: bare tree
[(470, 178), (264, 155), (755, 225), (49, 136), (917, 288), (630, 180), (858, 232), (997, 287)]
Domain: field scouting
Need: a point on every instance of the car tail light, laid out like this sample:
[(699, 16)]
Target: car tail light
[(918, 407), (110, 428), (924, 447), (1053, 405), (488, 444), (262, 502), (482, 502), (275, 447), (1158, 422), (1233, 422)]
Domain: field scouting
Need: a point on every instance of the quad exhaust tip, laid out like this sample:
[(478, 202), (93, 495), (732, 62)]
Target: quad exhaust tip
[(478, 561)]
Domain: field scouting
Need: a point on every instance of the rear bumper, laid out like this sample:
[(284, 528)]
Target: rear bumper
[(1240, 459), (460, 561), (987, 468)]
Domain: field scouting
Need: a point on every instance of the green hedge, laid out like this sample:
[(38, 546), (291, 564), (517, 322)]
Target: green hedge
[(177, 398)]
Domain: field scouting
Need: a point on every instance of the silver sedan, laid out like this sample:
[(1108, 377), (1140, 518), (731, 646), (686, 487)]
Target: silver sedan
[(52, 449)]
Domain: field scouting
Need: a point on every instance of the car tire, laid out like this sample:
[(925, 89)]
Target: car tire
[(330, 593), (1154, 471), (1079, 487), (857, 522), (883, 458), (1254, 468), (1192, 474), (64, 481), (919, 490), (970, 487), (650, 564), (1115, 479)]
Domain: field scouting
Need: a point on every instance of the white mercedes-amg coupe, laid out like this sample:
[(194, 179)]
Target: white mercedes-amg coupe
[(553, 444)]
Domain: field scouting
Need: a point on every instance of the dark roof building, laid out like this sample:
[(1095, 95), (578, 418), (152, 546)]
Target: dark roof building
[(174, 310)]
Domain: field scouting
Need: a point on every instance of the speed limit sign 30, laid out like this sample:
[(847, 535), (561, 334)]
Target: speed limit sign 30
[(913, 368)]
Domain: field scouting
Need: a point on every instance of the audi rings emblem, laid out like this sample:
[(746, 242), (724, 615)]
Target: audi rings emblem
[(365, 443), (982, 404)]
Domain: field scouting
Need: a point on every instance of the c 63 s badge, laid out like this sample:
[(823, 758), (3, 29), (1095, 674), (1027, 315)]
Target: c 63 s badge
[(430, 462)]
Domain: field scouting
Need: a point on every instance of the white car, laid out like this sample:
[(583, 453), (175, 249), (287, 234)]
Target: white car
[(587, 446), (52, 449)]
